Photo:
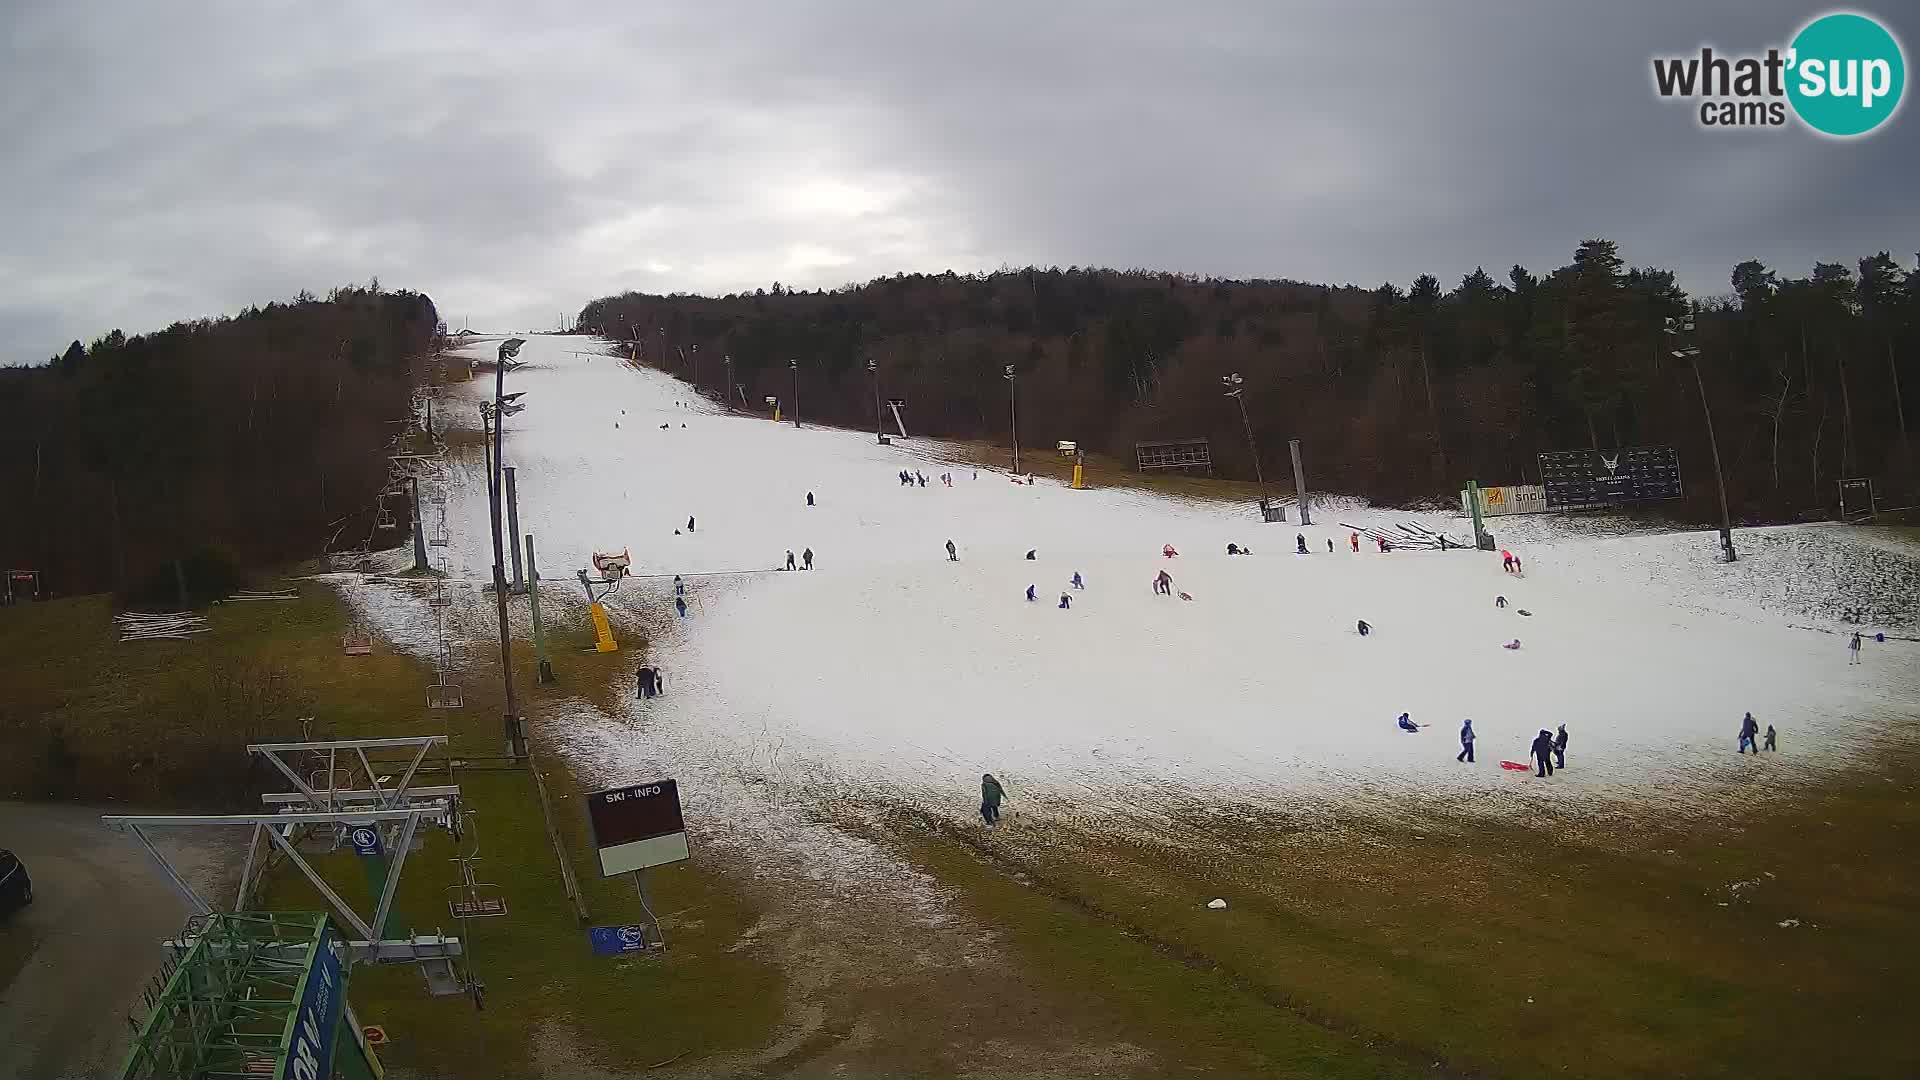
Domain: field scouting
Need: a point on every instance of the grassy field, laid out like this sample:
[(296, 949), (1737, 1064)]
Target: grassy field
[(1775, 942)]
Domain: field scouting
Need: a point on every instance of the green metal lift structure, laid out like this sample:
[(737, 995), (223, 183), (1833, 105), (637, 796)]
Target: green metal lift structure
[(257, 994)]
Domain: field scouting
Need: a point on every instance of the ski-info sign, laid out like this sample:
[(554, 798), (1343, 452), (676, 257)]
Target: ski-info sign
[(637, 826)]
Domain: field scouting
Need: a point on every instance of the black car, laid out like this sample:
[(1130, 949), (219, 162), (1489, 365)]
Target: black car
[(16, 888)]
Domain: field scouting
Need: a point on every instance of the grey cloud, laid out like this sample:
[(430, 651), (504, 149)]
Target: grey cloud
[(514, 161)]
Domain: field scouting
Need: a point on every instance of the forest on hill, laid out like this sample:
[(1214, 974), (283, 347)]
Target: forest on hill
[(1397, 393), (219, 443)]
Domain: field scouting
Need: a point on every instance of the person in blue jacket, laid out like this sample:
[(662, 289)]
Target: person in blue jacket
[(1030, 595), (1466, 743), (1405, 723), (1748, 729)]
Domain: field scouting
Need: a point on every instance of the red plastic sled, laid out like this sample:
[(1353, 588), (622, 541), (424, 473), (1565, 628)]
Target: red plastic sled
[(1516, 766)]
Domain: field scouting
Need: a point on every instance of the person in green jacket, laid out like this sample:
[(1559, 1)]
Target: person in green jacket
[(990, 795)]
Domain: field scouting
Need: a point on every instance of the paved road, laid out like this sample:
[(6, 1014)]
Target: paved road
[(73, 964)]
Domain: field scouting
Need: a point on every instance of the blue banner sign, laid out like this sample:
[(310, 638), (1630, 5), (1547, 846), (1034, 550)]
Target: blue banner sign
[(322, 999), (365, 839), (614, 940)]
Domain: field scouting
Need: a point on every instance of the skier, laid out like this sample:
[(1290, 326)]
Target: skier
[(1560, 748), (1077, 583), (789, 558), (1769, 743), (1353, 541), (1748, 729), (953, 554), (1499, 601), (1066, 602), (1163, 584), (809, 498), (1030, 553), (1466, 743), (1300, 543), (1363, 628), (1516, 567), (679, 587), (1030, 596), (807, 558), (1385, 545), (1853, 649), (922, 477), (1329, 545), (1542, 752), (1405, 723), (990, 795), (680, 605), (689, 523), (1506, 562)]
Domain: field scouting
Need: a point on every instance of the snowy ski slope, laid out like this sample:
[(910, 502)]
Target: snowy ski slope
[(890, 669)]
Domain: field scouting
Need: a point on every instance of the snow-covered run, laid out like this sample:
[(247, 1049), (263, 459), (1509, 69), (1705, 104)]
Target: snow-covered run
[(890, 670)]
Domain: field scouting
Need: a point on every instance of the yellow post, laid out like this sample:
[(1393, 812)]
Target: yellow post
[(776, 414), (1079, 477), (602, 630)]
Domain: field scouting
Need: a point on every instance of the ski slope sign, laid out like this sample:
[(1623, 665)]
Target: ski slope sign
[(1585, 479), (637, 826)]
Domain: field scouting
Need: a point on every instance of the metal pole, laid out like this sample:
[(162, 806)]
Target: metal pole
[(516, 746), (726, 392), (1720, 482), (1259, 473), (419, 537), (513, 528), (1013, 415), (1299, 479), (879, 432), (795, 365), (539, 631)]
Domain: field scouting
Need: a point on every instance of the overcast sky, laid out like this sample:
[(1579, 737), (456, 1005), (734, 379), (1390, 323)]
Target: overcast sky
[(171, 160)]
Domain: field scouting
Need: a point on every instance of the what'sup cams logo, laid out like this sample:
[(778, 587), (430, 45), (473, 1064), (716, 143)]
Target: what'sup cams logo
[(1843, 75)]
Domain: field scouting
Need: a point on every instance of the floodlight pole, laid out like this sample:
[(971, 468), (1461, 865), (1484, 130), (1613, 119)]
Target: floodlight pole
[(419, 538), (879, 430), (1683, 328), (516, 740), (1013, 415), (1234, 390), (726, 392), (795, 365)]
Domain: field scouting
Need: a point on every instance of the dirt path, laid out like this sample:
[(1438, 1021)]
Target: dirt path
[(73, 964)]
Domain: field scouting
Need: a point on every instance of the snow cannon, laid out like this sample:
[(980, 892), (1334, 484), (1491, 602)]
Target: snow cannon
[(612, 566)]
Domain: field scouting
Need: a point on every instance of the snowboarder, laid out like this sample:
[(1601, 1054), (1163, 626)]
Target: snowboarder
[(1748, 729), (1163, 584), (680, 605), (1066, 601), (1077, 583), (689, 523), (1853, 649), (809, 498), (806, 557), (1543, 751), (990, 795), (1030, 596), (1030, 553), (1300, 543), (1768, 745), (1499, 601), (953, 554), (1466, 743), (1233, 549), (1405, 723), (789, 558), (1353, 541), (646, 678), (1512, 645), (1560, 748), (1363, 628)]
